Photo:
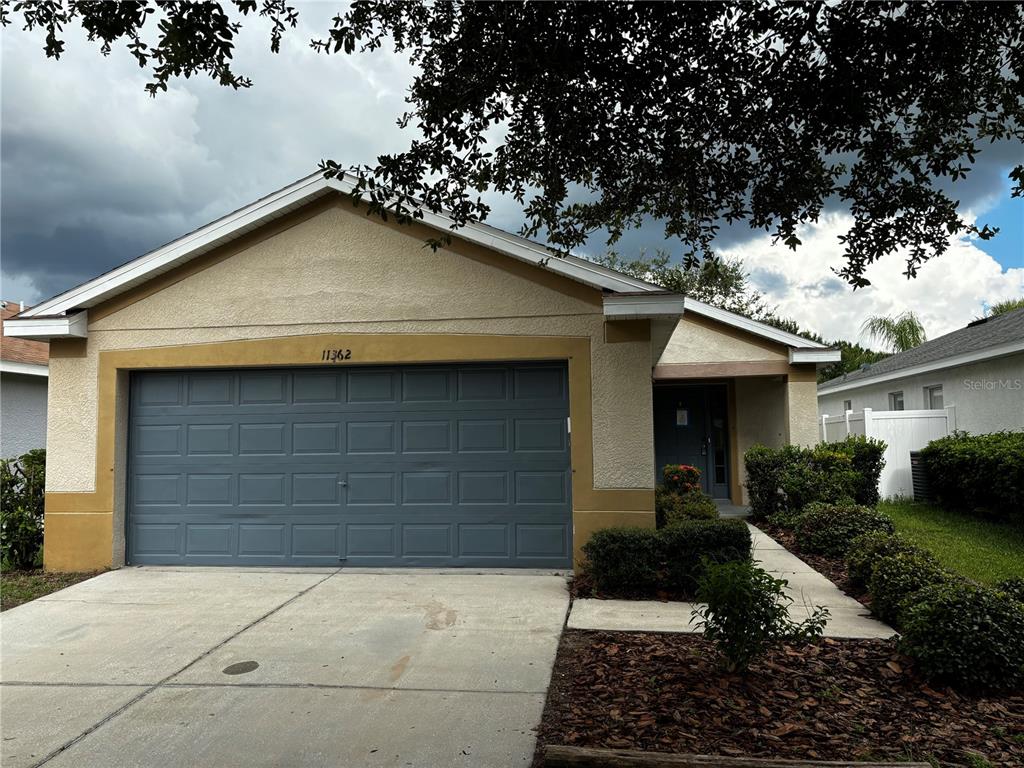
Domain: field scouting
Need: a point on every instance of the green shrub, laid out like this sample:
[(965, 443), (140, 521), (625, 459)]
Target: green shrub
[(631, 562), (980, 474), (746, 612), (868, 548), (967, 636), (867, 456), (818, 474), (624, 561), (897, 577), (680, 478), (1013, 587), (764, 484), (672, 507), (689, 545), (789, 478), (829, 529), (22, 483)]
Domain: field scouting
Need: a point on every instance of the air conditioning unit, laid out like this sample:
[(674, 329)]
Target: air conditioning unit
[(918, 477)]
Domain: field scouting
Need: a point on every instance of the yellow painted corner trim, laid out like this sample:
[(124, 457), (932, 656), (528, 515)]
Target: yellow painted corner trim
[(78, 542)]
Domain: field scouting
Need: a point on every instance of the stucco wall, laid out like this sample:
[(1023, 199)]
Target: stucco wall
[(802, 406), (339, 272), (22, 414), (696, 340), (760, 417), (989, 396)]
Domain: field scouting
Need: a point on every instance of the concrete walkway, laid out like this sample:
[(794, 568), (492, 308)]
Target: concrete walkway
[(807, 587), (258, 667)]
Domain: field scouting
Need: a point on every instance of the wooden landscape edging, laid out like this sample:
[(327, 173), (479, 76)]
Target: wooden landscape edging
[(557, 756)]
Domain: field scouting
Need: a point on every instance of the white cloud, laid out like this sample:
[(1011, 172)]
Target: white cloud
[(947, 293)]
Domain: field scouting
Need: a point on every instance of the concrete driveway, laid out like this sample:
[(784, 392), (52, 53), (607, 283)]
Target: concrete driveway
[(231, 667)]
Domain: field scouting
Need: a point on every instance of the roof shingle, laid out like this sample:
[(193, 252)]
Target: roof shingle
[(977, 336), (16, 350)]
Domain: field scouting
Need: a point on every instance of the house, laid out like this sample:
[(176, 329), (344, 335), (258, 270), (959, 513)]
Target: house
[(978, 369), (23, 378), (299, 383)]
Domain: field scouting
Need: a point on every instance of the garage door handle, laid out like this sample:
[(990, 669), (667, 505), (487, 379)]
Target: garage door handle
[(343, 483)]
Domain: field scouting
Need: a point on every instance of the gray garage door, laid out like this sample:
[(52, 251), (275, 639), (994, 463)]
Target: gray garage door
[(428, 466)]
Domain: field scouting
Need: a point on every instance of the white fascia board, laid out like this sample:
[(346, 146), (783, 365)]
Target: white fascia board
[(180, 250), (637, 306), (751, 326), (915, 370), (25, 369), (814, 356), (74, 326), (251, 216)]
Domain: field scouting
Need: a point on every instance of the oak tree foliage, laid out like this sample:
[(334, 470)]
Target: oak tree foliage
[(597, 117)]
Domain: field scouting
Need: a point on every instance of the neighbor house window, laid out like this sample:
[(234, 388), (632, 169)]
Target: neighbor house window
[(895, 401), (847, 405), (933, 397)]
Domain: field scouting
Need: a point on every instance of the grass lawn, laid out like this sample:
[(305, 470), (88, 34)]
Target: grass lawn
[(981, 550), (17, 587)]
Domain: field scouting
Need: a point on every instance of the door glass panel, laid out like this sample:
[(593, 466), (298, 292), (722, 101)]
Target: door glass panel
[(718, 439)]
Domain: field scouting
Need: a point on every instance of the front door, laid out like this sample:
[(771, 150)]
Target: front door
[(690, 427)]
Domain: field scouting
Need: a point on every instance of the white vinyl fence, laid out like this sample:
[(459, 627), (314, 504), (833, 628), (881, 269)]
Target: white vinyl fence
[(902, 432)]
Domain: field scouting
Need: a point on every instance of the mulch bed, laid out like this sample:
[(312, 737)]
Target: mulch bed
[(836, 699)]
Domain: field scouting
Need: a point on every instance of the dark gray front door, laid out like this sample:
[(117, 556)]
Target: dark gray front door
[(415, 465), (690, 427)]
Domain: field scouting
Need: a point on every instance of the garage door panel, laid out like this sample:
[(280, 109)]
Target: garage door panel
[(317, 388), (421, 465), (158, 440)]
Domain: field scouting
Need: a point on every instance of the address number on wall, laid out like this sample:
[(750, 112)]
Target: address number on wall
[(336, 355)]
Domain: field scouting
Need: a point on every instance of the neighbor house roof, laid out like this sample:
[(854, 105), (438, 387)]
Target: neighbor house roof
[(65, 315), (21, 355), (980, 340)]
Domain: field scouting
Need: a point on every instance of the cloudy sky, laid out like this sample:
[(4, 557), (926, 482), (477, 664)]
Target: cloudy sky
[(95, 172)]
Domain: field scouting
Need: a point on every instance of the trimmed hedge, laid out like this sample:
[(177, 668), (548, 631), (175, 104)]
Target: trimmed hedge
[(868, 458), (829, 529), (763, 466), (791, 477), (1013, 587), (630, 562), (868, 548), (624, 560), (980, 474), (672, 507), (689, 546), (967, 636), (898, 577)]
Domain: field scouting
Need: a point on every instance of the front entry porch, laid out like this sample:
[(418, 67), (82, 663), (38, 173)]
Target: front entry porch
[(710, 422)]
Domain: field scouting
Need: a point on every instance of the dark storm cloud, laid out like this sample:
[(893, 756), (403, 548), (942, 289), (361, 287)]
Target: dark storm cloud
[(94, 172)]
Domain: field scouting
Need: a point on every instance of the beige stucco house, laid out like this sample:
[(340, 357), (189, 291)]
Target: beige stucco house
[(299, 383)]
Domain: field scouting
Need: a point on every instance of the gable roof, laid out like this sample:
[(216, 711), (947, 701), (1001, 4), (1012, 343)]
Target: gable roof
[(980, 340), (65, 315), (21, 355)]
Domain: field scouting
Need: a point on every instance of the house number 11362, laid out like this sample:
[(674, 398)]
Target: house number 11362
[(336, 355)]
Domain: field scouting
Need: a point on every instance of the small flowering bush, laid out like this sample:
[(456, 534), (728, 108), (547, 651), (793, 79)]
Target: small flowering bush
[(680, 478)]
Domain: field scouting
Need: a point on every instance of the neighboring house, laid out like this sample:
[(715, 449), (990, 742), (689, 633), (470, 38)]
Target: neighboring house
[(23, 377), (978, 369), (299, 383)]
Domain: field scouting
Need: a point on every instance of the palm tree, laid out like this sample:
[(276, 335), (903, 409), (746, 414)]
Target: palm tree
[(898, 333), (1008, 305)]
